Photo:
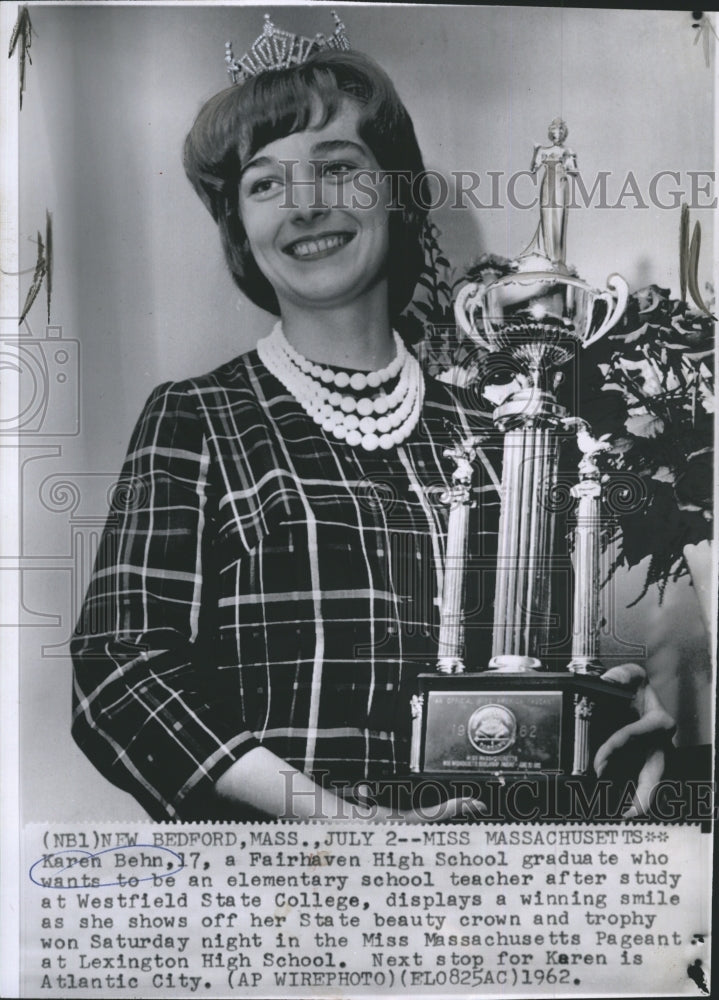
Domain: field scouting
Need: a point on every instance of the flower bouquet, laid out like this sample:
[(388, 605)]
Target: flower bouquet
[(649, 386)]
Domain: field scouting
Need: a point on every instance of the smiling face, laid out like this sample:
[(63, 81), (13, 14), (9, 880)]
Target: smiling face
[(316, 217)]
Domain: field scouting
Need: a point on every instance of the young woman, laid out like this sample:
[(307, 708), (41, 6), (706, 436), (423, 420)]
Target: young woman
[(264, 594)]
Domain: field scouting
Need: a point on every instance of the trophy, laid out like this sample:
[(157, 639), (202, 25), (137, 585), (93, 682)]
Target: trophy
[(512, 717)]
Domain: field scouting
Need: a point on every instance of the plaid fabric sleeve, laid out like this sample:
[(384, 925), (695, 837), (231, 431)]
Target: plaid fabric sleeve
[(141, 710)]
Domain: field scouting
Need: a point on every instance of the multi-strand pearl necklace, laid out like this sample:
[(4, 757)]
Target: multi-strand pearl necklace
[(380, 420)]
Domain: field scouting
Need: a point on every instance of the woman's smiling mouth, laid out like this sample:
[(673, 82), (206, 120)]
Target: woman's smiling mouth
[(321, 246)]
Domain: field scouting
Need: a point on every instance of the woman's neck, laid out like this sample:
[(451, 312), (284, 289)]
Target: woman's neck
[(345, 337)]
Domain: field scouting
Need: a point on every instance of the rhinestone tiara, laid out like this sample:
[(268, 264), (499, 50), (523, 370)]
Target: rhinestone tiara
[(277, 49)]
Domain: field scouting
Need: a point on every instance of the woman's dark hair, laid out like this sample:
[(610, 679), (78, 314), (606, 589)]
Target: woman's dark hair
[(239, 121)]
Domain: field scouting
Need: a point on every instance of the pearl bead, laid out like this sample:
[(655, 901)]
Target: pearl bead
[(381, 422), (397, 417), (370, 442)]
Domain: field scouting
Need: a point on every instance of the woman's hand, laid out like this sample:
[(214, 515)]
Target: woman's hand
[(461, 807), (654, 728)]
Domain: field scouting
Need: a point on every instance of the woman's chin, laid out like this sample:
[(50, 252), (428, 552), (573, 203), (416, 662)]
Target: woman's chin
[(326, 291)]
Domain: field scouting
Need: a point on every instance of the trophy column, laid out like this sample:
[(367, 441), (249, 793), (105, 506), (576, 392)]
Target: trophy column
[(530, 420), (459, 501), (587, 548)]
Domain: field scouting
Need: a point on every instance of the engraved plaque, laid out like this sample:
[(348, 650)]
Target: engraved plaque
[(493, 731)]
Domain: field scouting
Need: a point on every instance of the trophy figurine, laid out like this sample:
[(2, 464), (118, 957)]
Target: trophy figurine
[(512, 717)]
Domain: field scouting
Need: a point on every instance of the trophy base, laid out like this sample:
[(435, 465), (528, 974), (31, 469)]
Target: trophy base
[(509, 726)]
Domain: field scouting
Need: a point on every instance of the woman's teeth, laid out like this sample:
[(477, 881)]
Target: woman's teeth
[(308, 248)]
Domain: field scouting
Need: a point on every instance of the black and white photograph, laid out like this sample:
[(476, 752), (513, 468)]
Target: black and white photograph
[(359, 588)]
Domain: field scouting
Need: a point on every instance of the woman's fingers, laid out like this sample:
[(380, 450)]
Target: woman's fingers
[(649, 777), (628, 674), (466, 808), (461, 807), (655, 722), (457, 808)]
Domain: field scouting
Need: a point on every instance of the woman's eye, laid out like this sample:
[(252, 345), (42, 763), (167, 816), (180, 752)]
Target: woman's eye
[(264, 186), (339, 169)]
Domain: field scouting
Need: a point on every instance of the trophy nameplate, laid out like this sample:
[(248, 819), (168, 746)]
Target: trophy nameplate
[(491, 724), (511, 718)]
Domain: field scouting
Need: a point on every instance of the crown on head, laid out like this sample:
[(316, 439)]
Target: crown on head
[(277, 49)]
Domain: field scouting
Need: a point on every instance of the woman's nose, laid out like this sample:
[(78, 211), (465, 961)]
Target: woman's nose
[(308, 197), (307, 213)]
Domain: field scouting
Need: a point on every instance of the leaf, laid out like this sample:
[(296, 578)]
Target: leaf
[(699, 356), (683, 250), (620, 445), (663, 474), (424, 281), (652, 299), (22, 32), (644, 425), (424, 308), (16, 32), (708, 400), (694, 487), (49, 260), (693, 271), (631, 338), (37, 278)]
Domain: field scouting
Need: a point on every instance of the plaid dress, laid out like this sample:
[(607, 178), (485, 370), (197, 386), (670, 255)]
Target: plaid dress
[(260, 583)]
